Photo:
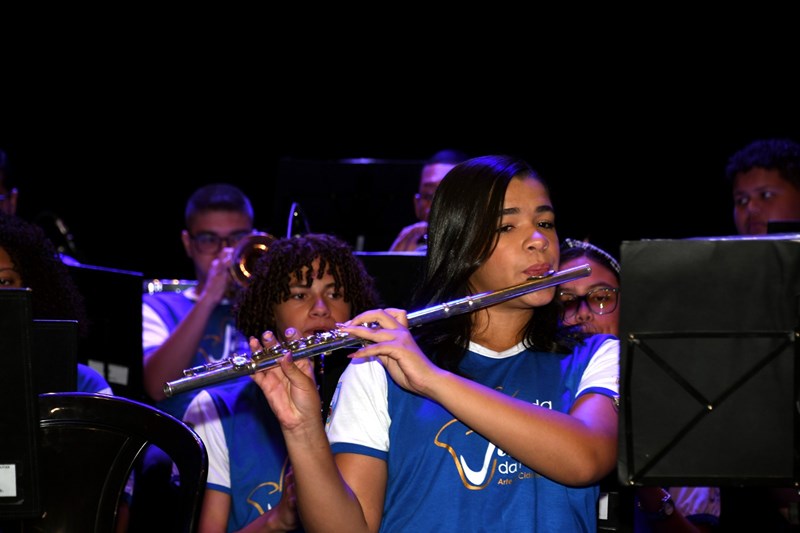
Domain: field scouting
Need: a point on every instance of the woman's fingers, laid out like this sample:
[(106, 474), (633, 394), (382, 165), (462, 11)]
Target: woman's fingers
[(390, 318)]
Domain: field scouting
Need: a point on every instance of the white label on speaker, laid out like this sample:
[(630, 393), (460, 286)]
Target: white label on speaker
[(8, 481)]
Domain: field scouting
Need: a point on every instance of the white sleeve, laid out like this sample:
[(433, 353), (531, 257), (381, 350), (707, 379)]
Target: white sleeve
[(360, 406), (202, 416), (603, 369), (154, 330)]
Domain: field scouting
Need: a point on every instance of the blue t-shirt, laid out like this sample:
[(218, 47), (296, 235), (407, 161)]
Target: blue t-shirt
[(247, 456), (220, 338), (90, 380), (444, 476)]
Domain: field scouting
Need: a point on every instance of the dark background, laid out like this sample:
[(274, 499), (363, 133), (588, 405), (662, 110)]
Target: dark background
[(122, 194), (112, 134)]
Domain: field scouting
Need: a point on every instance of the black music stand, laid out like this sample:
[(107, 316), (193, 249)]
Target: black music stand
[(113, 345), (709, 368), (20, 493), (55, 355)]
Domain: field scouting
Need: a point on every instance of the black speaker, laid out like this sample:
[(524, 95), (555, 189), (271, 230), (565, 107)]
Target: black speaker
[(19, 417), (709, 331)]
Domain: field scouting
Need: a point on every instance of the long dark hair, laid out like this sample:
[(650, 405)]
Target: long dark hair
[(289, 257), (462, 234)]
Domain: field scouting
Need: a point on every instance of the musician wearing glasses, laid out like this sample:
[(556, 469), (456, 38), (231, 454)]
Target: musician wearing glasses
[(412, 238), (301, 286), (592, 303), (196, 326), (189, 328), (497, 420)]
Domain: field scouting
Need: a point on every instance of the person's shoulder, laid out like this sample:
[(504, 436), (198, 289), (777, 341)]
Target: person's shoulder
[(598, 342), (90, 380), (600, 338)]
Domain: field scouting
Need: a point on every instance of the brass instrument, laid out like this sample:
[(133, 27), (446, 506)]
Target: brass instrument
[(245, 255), (328, 341)]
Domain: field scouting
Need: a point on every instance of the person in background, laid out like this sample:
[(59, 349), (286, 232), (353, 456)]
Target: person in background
[(592, 303), (187, 329), (765, 179), (8, 193), (495, 420), (29, 259), (412, 238), (55, 230), (196, 326), (301, 286)]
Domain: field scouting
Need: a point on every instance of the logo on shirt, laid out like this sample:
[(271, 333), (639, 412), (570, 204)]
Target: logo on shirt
[(478, 465), (262, 496)]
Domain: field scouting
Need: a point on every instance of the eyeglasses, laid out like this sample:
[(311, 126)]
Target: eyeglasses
[(211, 243), (600, 301)]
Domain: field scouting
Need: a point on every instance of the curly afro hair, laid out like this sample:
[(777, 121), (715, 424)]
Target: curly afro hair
[(288, 258), (55, 293)]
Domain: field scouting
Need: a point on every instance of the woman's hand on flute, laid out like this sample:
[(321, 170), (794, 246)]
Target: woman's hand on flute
[(395, 347)]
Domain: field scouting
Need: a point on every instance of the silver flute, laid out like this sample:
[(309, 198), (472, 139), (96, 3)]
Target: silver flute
[(328, 341)]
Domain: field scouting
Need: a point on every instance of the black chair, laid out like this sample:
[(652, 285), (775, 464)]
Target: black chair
[(89, 444)]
